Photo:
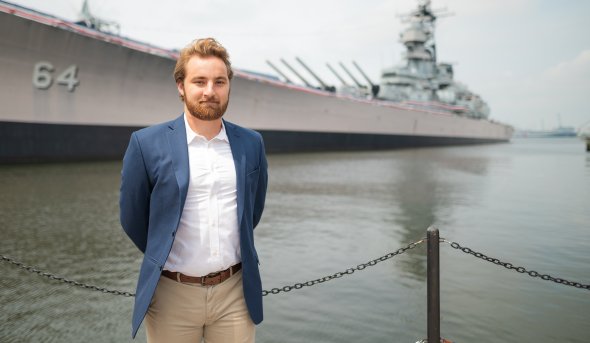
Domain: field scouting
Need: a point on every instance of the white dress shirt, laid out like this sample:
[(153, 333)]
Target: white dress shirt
[(208, 237)]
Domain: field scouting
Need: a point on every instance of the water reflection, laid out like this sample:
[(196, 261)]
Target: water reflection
[(426, 193), (63, 218)]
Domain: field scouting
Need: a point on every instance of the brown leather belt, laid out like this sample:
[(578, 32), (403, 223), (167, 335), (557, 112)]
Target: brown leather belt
[(207, 280)]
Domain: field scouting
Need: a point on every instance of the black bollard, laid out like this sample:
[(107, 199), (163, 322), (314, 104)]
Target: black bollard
[(433, 285)]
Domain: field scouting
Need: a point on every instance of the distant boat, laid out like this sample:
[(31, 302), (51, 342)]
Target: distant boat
[(555, 133), (584, 133)]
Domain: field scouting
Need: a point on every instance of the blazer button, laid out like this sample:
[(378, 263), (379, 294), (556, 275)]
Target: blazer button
[(173, 233), (161, 268)]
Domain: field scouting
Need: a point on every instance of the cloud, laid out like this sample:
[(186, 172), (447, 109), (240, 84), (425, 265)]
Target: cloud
[(483, 7), (577, 69), (561, 89)]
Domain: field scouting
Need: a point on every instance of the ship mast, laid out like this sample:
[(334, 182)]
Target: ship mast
[(93, 22), (419, 40)]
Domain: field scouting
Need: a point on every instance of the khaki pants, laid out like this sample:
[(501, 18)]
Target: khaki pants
[(181, 312)]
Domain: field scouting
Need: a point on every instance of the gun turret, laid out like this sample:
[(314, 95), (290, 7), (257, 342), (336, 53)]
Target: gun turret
[(358, 84), (279, 71), (374, 87), (324, 85), (344, 83), (296, 73)]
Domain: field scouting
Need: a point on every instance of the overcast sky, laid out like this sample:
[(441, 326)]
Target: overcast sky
[(529, 59)]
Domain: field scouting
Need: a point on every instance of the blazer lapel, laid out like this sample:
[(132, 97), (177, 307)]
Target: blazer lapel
[(179, 155), (239, 156)]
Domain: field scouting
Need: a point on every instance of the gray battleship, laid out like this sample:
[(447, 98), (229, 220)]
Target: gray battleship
[(75, 91)]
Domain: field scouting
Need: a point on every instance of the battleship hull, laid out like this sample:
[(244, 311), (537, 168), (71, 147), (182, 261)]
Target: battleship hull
[(72, 93)]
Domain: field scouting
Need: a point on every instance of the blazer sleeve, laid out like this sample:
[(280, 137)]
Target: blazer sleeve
[(262, 185), (135, 194)]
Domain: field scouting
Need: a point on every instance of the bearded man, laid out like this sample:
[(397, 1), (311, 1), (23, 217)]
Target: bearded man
[(192, 192)]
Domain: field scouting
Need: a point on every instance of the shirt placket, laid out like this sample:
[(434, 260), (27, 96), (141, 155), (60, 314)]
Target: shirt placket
[(213, 210)]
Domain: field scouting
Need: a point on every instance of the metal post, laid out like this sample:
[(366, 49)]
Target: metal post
[(433, 285)]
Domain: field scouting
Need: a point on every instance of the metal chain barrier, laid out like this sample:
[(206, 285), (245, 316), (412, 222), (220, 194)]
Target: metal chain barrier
[(346, 272), (337, 275), (264, 292), (64, 280), (521, 270)]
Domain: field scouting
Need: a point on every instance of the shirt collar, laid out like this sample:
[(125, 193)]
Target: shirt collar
[(191, 135)]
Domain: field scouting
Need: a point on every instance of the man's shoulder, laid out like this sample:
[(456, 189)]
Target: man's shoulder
[(242, 131), (157, 129)]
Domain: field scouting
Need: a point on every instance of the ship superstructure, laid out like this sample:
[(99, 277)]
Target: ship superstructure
[(420, 79)]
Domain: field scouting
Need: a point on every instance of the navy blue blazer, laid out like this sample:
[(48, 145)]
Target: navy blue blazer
[(154, 184)]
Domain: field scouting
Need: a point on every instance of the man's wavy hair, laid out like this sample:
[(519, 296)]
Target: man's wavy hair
[(204, 47)]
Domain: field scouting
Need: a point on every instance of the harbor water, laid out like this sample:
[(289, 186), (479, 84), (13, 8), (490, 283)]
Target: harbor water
[(526, 202)]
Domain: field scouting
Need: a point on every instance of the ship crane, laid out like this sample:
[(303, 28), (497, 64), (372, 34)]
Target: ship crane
[(324, 85)]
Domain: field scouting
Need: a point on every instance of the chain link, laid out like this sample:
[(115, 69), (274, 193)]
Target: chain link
[(521, 270), (346, 272), (64, 280)]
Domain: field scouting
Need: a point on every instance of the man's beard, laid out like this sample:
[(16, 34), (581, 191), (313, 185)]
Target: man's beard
[(206, 111)]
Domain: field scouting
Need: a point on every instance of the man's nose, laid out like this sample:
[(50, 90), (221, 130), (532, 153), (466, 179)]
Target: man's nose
[(208, 91)]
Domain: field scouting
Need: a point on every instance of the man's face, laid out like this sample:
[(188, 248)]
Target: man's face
[(205, 87)]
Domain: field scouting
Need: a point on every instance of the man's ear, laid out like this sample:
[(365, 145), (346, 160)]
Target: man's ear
[(180, 86)]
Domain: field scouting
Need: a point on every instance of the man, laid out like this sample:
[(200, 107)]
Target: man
[(192, 192)]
